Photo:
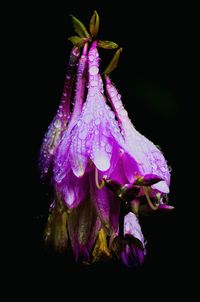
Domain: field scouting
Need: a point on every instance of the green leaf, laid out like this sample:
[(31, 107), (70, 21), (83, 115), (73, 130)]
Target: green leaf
[(75, 40), (80, 28), (78, 41), (107, 44), (114, 62), (94, 24)]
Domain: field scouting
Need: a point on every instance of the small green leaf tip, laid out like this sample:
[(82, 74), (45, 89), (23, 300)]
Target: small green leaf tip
[(77, 41), (94, 24), (80, 28), (113, 63), (107, 44)]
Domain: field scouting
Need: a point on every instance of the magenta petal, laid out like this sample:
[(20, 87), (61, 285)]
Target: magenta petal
[(132, 227), (161, 186), (62, 163), (97, 131), (78, 157), (131, 168), (148, 157), (107, 205), (58, 125), (132, 256), (73, 189)]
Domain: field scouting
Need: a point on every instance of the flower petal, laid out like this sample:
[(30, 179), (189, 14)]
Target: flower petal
[(132, 227), (83, 225), (107, 205), (73, 189), (148, 157), (62, 164), (58, 125)]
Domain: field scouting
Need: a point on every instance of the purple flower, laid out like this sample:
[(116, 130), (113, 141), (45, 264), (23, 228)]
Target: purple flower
[(105, 173)]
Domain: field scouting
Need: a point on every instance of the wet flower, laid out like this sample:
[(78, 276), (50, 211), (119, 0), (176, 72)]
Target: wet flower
[(104, 173)]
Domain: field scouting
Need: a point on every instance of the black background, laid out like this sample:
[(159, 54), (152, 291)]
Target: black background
[(154, 76)]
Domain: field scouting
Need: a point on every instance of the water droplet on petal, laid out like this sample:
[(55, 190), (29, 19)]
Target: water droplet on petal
[(91, 58), (57, 124), (97, 121), (163, 169), (93, 70), (96, 132), (108, 148), (117, 104), (83, 133), (124, 112), (94, 83), (88, 118), (111, 115)]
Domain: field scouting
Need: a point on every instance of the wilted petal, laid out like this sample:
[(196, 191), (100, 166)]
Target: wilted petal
[(83, 225), (101, 250), (55, 233)]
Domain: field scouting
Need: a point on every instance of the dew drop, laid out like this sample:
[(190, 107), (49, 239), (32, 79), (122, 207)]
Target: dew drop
[(57, 124), (163, 169), (111, 115), (88, 118), (94, 83), (97, 121), (117, 104), (112, 93), (124, 112), (83, 133), (93, 70), (108, 148), (91, 58)]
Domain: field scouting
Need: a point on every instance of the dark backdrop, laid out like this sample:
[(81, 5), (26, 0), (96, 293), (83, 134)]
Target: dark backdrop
[(154, 77)]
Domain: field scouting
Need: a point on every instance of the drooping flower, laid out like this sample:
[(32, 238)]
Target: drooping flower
[(105, 173)]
